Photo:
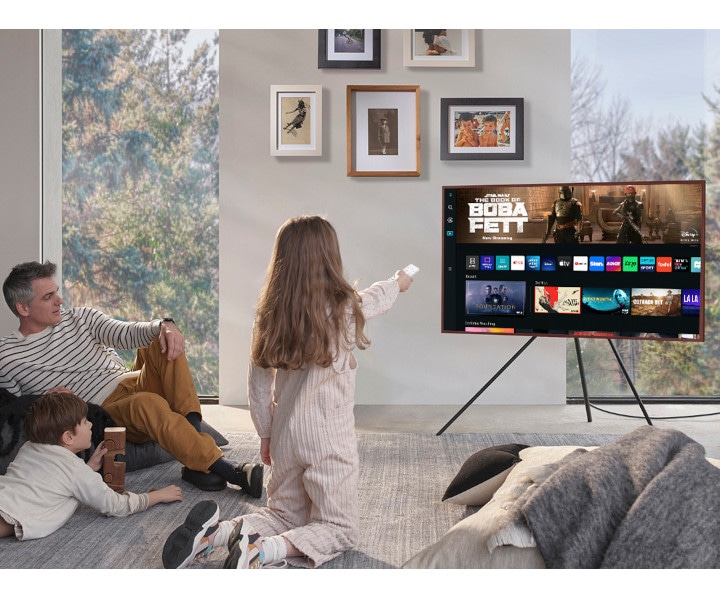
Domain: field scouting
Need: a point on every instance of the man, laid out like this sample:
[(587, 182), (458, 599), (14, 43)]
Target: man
[(74, 351), (383, 135), (631, 212), (567, 213)]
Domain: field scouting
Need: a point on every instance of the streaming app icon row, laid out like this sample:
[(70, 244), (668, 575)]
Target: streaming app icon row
[(632, 264)]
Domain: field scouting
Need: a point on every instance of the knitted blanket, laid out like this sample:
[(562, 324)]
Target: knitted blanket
[(647, 500)]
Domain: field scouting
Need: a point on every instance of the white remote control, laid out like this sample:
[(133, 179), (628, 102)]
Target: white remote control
[(411, 270)]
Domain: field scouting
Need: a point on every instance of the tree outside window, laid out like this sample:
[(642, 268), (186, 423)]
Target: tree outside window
[(140, 181)]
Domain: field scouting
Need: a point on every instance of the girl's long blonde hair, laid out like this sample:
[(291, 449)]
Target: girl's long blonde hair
[(305, 303)]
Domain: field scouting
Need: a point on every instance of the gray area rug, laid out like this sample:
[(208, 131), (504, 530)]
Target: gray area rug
[(402, 479)]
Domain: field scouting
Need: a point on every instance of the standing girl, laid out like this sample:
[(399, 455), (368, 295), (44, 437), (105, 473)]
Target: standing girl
[(301, 388)]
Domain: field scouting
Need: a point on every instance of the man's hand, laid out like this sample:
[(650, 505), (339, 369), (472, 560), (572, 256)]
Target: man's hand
[(172, 342)]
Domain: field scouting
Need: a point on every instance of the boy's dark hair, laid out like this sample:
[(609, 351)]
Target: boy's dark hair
[(490, 118), (18, 285), (466, 116), (52, 415)]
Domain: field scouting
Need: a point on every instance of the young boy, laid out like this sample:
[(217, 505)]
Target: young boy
[(46, 482), (488, 135)]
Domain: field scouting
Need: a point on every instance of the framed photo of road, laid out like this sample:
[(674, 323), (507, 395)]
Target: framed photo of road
[(349, 48)]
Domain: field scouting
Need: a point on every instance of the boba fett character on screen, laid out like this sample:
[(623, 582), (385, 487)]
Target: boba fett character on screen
[(566, 215)]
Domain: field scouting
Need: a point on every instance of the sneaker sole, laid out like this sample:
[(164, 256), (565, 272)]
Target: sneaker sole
[(235, 552), (180, 547)]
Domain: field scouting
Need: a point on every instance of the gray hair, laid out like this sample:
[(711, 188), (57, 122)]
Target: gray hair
[(18, 288)]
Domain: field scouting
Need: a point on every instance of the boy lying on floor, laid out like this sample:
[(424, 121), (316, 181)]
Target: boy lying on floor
[(47, 481)]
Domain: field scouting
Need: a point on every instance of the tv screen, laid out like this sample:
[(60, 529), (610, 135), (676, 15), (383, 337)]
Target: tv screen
[(611, 259)]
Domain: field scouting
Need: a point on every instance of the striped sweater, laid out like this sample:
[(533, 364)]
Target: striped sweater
[(77, 353)]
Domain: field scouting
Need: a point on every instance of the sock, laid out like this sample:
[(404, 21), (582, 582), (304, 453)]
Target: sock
[(272, 549), (195, 420), (226, 469)]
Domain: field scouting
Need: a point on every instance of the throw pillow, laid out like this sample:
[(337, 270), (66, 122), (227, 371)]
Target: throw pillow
[(482, 474), (470, 543)]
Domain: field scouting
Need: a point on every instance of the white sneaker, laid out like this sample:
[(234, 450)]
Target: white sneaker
[(197, 533), (243, 548)]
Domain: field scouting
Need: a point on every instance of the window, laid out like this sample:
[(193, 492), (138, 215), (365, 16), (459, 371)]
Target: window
[(140, 181), (643, 108)]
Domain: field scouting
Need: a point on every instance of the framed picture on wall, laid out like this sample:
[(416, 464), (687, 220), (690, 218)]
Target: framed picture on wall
[(348, 48), (439, 48), (296, 120), (481, 129), (383, 130)]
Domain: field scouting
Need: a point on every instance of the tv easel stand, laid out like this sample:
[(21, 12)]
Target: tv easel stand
[(581, 368)]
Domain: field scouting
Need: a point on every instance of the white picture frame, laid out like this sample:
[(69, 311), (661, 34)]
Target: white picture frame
[(296, 120), (456, 48)]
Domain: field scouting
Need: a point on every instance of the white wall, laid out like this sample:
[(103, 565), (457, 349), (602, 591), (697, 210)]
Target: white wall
[(20, 149), (384, 223)]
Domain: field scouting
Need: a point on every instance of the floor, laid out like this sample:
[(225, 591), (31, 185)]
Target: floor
[(572, 418)]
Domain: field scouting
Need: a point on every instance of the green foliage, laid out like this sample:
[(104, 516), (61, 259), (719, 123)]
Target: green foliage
[(141, 183)]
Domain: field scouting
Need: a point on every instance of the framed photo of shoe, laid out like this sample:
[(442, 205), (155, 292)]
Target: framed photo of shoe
[(439, 48), (383, 130), (295, 120)]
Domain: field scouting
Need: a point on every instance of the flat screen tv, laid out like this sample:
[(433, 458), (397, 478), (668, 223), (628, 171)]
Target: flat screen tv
[(518, 260)]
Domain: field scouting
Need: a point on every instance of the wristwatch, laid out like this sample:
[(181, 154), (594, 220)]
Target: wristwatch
[(160, 322)]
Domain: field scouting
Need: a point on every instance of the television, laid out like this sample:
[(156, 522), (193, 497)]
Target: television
[(636, 275)]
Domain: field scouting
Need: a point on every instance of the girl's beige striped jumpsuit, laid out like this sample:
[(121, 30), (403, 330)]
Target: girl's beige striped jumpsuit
[(308, 416)]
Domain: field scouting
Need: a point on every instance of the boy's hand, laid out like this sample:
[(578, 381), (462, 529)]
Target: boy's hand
[(171, 493), (96, 460)]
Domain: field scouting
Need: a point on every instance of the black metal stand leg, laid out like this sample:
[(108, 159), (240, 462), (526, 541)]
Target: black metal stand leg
[(487, 385), (630, 383), (581, 368)]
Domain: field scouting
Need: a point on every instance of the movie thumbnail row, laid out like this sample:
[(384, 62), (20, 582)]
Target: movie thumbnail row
[(612, 264), (509, 298)]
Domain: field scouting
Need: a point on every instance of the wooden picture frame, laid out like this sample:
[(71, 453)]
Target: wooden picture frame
[(296, 120), (439, 47), (383, 130), (482, 129), (349, 48)]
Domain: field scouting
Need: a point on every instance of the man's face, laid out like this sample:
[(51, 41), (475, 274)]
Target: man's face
[(44, 309)]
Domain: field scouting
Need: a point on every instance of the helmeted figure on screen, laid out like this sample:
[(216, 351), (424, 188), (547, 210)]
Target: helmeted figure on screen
[(566, 215), (631, 212)]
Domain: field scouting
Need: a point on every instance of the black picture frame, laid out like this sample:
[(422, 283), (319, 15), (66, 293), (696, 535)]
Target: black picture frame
[(509, 141), (353, 54)]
